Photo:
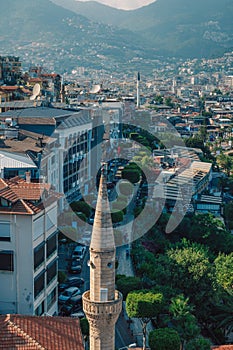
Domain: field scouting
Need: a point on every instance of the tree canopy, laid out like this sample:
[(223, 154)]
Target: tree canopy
[(164, 339)]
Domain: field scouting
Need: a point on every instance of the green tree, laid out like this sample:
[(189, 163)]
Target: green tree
[(131, 175), (222, 316), (84, 324), (126, 284), (224, 271), (194, 142), (182, 318), (158, 99), (180, 306), (117, 216), (199, 343), (164, 339), (228, 215), (168, 102), (192, 272), (212, 234), (81, 206), (144, 305), (225, 162)]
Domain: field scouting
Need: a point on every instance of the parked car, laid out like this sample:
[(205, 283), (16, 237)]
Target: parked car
[(79, 252), (71, 282), (75, 266), (79, 314), (68, 293), (74, 304)]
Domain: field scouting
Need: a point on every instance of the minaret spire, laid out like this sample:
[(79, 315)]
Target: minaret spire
[(102, 234), (102, 304)]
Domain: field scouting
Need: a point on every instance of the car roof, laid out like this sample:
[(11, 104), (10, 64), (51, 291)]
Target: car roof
[(71, 289), (78, 248), (76, 298), (74, 278)]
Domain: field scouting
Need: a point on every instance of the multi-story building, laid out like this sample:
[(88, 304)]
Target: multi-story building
[(65, 154), (10, 69), (28, 247)]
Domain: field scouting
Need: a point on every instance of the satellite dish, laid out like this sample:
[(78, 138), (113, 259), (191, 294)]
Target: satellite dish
[(35, 91), (95, 89)]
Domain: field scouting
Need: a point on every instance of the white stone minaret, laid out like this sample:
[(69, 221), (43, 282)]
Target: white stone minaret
[(138, 90), (102, 304)]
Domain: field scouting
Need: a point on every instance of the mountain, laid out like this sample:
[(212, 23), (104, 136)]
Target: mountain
[(48, 33), (92, 35), (95, 11), (185, 28)]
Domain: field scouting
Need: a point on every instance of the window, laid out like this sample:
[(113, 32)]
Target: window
[(51, 299), (51, 245), (39, 255), (39, 283), (40, 309), (51, 271), (7, 260), (4, 203), (4, 231)]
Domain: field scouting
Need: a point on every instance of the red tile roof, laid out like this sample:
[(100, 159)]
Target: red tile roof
[(26, 198), (33, 333), (33, 80), (9, 88), (222, 347), (3, 184)]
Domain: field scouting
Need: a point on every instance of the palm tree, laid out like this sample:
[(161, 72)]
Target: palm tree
[(179, 307), (222, 317), (184, 321)]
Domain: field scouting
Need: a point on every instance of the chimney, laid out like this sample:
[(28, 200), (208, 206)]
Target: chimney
[(40, 139), (7, 317), (28, 177)]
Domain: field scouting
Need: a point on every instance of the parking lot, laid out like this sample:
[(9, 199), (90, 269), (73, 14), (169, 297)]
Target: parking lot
[(65, 252)]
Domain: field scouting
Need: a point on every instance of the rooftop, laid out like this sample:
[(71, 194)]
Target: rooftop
[(34, 333), (20, 197)]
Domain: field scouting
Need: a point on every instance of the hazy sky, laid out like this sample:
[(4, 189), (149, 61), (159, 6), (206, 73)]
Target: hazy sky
[(125, 4)]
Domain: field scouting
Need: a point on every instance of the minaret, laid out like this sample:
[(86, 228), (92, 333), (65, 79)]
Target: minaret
[(138, 90), (102, 304)]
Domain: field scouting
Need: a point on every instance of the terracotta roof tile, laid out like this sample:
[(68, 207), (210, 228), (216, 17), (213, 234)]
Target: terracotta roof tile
[(222, 347), (3, 184), (33, 332), (9, 88), (24, 196), (33, 80), (8, 194)]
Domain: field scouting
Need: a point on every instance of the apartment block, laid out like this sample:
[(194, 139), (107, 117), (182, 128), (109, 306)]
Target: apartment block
[(28, 247)]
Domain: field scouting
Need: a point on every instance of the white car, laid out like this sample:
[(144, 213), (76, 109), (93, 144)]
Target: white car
[(79, 314), (68, 293)]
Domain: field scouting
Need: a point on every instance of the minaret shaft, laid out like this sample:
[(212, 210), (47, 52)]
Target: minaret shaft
[(102, 304)]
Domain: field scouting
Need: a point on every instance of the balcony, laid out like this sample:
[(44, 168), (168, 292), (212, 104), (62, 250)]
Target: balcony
[(98, 308)]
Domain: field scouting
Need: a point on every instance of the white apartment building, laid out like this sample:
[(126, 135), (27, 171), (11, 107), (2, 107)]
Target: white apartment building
[(28, 248)]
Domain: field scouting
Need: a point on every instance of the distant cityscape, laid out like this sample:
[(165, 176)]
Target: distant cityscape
[(165, 126)]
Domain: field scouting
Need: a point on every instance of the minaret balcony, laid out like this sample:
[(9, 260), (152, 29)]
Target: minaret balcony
[(98, 309)]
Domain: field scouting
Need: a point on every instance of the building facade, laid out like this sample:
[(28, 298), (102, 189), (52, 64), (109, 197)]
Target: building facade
[(28, 248)]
